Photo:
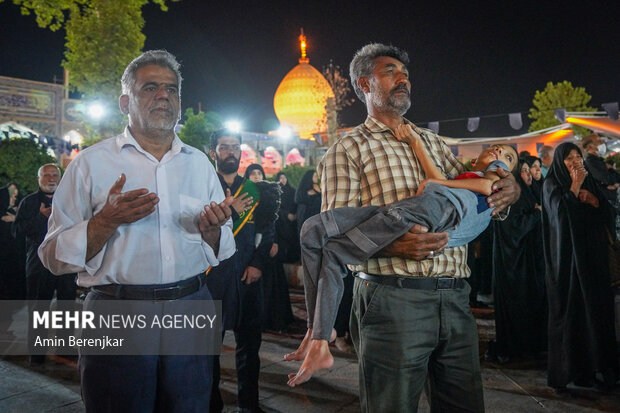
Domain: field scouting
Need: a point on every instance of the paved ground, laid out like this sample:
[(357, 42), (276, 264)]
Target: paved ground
[(516, 387)]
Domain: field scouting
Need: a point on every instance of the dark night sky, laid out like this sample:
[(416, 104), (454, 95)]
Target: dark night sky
[(468, 58)]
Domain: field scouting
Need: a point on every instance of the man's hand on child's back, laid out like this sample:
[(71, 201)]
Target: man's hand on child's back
[(416, 244)]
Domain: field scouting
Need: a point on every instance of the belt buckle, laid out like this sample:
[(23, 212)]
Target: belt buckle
[(446, 283), (164, 291)]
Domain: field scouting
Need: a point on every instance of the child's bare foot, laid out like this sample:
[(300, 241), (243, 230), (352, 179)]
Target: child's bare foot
[(302, 350), (318, 358)]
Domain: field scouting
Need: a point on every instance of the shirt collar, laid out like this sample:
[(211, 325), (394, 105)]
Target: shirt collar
[(376, 126), (126, 139)]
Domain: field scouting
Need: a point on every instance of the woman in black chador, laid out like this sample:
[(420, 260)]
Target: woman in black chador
[(12, 249), (581, 315), (519, 289), (277, 311), (286, 225), (307, 197)]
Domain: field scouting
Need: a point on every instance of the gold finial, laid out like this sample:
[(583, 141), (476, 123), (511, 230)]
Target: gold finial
[(302, 44)]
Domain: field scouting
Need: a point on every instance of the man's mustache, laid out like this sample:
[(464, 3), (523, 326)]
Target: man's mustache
[(158, 107), (400, 88)]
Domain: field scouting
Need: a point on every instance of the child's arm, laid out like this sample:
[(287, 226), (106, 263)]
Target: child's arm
[(405, 133), (480, 185)]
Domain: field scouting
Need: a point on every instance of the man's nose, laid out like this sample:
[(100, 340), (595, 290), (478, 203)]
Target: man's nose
[(162, 92), (402, 79)]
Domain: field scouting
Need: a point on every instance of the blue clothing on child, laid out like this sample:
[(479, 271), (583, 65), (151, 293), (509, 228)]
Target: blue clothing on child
[(473, 220)]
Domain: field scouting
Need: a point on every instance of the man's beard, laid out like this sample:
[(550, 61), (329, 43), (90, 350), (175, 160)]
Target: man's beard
[(229, 165), (161, 123), (399, 105), (49, 188)]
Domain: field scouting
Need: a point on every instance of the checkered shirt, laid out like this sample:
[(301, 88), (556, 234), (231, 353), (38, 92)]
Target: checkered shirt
[(369, 166)]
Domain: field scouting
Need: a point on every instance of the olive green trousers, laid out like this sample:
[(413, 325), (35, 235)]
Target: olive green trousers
[(408, 340)]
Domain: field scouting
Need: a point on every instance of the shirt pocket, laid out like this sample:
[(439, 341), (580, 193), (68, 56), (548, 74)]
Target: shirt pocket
[(189, 217)]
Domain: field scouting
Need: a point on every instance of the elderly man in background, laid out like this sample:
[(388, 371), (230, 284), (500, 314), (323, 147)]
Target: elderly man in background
[(31, 222), (545, 153), (607, 179)]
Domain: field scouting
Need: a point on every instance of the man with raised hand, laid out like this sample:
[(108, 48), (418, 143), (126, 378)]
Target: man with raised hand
[(142, 216)]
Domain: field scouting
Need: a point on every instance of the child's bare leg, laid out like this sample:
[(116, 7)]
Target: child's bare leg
[(302, 350), (318, 358)]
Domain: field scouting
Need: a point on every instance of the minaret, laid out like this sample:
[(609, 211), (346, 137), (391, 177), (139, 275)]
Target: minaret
[(302, 45)]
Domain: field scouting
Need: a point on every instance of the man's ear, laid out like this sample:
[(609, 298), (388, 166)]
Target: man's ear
[(123, 103), (212, 154), (364, 84)]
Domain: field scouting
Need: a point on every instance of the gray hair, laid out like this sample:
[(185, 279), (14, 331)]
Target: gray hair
[(40, 171), (363, 62), (544, 151), (587, 140), (151, 57)]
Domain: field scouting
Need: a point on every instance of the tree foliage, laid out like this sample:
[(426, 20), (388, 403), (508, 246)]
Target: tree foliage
[(557, 96), (20, 159), (103, 36), (49, 13), (340, 85), (198, 127)]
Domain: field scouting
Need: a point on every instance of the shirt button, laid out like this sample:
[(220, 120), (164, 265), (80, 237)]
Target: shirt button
[(168, 258)]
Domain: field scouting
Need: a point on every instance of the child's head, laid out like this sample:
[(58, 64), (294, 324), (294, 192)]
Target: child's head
[(499, 152)]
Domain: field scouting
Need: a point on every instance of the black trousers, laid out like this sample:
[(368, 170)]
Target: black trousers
[(146, 383), (40, 288), (248, 338)]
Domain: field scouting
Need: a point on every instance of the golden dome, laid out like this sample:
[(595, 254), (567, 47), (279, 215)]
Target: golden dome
[(301, 97)]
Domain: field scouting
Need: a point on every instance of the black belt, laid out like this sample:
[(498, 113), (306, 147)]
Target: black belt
[(172, 291), (417, 283)]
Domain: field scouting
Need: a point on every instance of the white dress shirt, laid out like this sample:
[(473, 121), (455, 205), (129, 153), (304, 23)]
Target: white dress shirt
[(165, 246)]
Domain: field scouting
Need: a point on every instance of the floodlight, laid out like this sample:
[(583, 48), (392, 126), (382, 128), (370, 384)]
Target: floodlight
[(233, 126), (284, 132), (96, 111)]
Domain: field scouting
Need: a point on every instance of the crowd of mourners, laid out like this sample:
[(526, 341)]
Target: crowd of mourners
[(549, 266), (545, 258), (23, 228), (545, 267)]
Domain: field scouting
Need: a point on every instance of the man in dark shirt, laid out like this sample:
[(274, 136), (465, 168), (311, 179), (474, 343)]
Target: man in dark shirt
[(545, 153), (607, 179), (237, 280), (31, 221)]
